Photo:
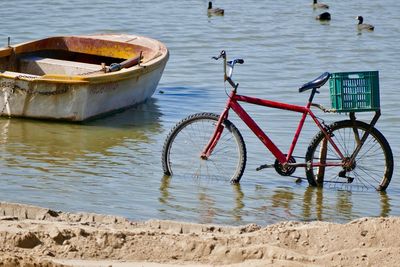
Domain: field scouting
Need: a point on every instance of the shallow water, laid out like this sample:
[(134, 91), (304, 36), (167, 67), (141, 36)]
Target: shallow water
[(112, 165)]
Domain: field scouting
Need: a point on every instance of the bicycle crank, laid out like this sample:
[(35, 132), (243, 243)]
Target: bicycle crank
[(287, 169), (265, 166)]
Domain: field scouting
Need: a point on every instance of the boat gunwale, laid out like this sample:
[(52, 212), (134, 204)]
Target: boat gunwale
[(159, 50)]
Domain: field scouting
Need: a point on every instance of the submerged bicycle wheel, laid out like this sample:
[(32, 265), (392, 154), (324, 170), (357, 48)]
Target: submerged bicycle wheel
[(184, 144), (371, 169)]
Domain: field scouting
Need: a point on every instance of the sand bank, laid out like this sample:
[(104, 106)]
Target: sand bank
[(34, 236)]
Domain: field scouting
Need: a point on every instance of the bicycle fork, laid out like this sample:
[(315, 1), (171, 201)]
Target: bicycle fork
[(205, 154)]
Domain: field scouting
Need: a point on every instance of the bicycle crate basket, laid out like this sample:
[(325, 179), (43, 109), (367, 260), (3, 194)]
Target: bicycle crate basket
[(354, 91)]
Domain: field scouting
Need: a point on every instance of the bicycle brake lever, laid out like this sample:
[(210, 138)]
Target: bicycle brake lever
[(222, 54)]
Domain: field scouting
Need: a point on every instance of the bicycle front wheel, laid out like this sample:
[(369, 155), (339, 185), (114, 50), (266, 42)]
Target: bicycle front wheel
[(186, 141), (372, 168)]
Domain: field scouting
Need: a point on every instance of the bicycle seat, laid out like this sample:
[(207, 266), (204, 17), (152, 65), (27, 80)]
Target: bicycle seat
[(316, 83)]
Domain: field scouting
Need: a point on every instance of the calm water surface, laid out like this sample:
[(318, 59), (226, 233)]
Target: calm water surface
[(112, 165)]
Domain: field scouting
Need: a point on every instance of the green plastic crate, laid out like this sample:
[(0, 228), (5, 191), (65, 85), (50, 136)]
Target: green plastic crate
[(354, 91)]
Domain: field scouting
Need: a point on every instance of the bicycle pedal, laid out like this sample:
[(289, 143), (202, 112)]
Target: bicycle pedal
[(342, 174), (265, 166)]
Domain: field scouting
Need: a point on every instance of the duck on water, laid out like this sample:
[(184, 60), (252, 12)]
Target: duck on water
[(364, 26), (326, 16), (319, 5), (214, 11)]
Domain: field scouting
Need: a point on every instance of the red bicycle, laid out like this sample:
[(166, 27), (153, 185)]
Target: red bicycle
[(347, 154)]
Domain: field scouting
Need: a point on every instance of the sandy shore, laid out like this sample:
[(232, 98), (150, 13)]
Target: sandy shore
[(34, 236)]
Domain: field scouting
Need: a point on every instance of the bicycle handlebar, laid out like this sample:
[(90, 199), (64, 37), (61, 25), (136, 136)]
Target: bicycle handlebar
[(230, 64)]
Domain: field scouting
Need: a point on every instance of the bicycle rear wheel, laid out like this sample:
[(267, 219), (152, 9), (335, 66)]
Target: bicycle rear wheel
[(186, 141), (372, 168)]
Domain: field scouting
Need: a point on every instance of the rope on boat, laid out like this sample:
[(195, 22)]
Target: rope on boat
[(9, 88), (14, 87), (7, 100)]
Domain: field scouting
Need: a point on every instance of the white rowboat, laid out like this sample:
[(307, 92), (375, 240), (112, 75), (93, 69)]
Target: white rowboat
[(76, 78)]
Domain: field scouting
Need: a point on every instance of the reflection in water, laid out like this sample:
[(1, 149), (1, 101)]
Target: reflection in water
[(280, 204), (165, 196), (343, 207), (308, 203), (146, 115), (92, 166), (385, 205), (208, 205), (232, 204), (58, 140), (239, 204), (282, 199), (56, 156), (344, 204)]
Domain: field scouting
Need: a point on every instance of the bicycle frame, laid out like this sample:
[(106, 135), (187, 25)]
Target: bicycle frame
[(233, 103)]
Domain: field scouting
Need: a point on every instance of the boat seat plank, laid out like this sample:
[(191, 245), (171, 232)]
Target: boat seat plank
[(15, 75), (40, 66)]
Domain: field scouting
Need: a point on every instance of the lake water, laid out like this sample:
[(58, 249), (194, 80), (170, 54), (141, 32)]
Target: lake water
[(112, 165)]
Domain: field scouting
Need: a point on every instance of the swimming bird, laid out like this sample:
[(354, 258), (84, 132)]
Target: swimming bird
[(319, 5), (214, 11), (363, 26), (324, 16)]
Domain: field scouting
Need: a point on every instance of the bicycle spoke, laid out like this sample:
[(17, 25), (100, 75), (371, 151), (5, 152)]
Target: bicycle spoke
[(187, 140), (361, 178), (369, 174)]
